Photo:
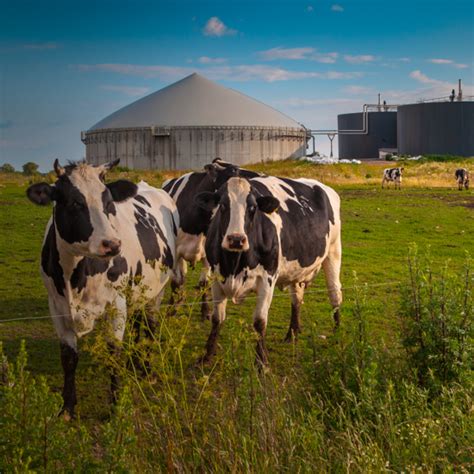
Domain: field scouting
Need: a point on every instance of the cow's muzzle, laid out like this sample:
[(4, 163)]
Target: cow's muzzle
[(111, 248), (236, 242)]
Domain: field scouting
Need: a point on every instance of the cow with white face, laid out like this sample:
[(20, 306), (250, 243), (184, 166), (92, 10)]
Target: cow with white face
[(194, 220), (101, 239), (462, 178), (268, 232), (393, 175)]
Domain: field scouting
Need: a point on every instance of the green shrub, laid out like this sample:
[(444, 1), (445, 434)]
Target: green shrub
[(30, 168), (7, 168), (436, 314)]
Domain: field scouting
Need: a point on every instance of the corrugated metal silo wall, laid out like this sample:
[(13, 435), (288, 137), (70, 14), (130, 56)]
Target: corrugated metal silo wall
[(193, 147), (445, 128), (382, 134)]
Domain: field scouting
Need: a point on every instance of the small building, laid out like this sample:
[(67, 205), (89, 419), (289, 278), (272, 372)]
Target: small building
[(191, 122)]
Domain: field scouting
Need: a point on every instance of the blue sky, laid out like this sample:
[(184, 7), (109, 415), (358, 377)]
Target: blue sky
[(67, 64)]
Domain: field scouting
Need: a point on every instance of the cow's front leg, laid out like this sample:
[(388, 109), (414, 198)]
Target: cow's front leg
[(297, 293), (203, 286), (265, 289), (218, 317), (69, 359), (69, 356), (177, 286)]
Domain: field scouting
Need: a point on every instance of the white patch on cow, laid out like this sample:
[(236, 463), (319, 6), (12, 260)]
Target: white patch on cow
[(238, 191), (182, 180), (237, 287), (86, 179)]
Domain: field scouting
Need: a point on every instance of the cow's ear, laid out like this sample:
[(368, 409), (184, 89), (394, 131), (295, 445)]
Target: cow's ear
[(122, 189), (207, 201), (40, 193), (268, 204), (211, 171)]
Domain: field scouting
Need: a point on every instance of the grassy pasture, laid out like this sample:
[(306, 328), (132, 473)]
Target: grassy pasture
[(378, 228)]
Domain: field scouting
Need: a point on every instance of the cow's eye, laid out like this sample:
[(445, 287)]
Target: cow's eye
[(77, 205), (252, 209)]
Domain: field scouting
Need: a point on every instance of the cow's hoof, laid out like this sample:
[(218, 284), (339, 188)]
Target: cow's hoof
[(204, 360), (291, 336), (67, 414)]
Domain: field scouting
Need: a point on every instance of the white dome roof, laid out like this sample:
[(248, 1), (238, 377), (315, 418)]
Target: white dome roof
[(196, 101)]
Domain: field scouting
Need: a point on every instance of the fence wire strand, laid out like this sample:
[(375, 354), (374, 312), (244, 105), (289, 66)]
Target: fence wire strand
[(199, 303)]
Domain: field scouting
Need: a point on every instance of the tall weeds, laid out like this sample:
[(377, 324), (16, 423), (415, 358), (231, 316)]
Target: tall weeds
[(350, 405)]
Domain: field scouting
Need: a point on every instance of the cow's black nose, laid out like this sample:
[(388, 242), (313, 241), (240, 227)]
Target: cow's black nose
[(111, 247), (236, 241)]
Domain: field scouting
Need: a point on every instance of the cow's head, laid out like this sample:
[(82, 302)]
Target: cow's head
[(83, 206), (237, 205)]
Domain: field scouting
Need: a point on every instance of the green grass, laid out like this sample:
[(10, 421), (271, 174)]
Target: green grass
[(378, 228)]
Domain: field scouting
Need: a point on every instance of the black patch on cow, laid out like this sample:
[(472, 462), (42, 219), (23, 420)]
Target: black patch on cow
[(108, 203), (148, 231), (306, 223), (139, 269), (122, 190), (170, 187), (50, 261), (119, 267), (142, 199), (269, 281), (175, 227), (87, 267), (71, 214)]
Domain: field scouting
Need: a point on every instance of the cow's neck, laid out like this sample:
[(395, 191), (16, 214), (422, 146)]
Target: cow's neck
[(67, 259)]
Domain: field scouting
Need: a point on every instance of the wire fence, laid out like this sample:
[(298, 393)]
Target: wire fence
[(200, 303)]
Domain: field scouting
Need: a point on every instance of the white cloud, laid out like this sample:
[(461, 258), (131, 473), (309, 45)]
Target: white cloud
[(216, 27), (285, 53), (359, 59), (309, 8), (423, 78), (358, 90), (431, 89), (41, 46), (404, 60), (208, 60), (307, 53), (326, 58), (127, 90), (337, 8), (232, 73), (448, 62)]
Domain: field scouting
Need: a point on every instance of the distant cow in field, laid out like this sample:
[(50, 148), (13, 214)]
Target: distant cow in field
[(462, 178), (267, 232), (194, 220), (100, 238), (393, 174)]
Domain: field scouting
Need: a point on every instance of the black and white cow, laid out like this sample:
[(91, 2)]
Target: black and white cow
[(268, 232), (462, 178), (101, 239), (393, 174), (194, 220)]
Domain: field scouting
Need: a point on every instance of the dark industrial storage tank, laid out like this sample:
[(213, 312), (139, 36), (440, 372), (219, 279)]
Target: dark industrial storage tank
[(444, 128), (381, 133)]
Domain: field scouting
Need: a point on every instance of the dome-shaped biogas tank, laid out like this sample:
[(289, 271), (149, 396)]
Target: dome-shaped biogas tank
[(444, 128), (381, 133)]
